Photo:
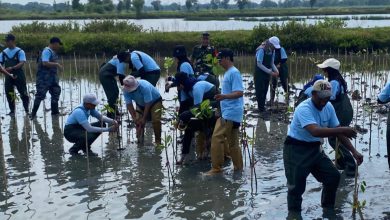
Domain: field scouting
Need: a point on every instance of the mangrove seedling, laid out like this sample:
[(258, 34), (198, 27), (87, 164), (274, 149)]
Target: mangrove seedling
[(164, 146), (204, 111)]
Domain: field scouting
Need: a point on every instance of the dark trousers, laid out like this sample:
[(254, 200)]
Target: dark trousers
[(47, 82), (20, 84), (299, 162), (345, 160), (151, 76), (82, 140), (112, 92), (261, 87), (283, 75), (388, 138)]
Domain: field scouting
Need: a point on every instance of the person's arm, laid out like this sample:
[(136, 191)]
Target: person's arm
[(46, 54), (283, 55), (347, 143), (5, 72), (138, 65), (274, 68), (317, 131), (147, 108), (384, 96), (233, 95), (132, 111), (22, 61), (335, 89), (89, 128)]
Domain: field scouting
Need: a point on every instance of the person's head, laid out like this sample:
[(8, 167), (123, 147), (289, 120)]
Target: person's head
[(130, 84), (313, 80), (205, 40), (90, 101), (322, 91), (275, 42), (55, 43), (123, 56), (180, 52), (330, 67), (225, 58), (10, 40)]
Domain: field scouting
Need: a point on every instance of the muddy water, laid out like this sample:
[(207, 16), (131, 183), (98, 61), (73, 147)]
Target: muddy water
[(40, 180)]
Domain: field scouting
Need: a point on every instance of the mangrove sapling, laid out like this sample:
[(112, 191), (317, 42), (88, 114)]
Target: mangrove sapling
[(119, 133), (358, 205), (164, 146), (108, 109)]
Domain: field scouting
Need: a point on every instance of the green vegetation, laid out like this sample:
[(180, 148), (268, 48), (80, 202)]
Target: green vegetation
[(202, 14), (103, 37)]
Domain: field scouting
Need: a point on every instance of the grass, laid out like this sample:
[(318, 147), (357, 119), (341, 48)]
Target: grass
[(199, 15)]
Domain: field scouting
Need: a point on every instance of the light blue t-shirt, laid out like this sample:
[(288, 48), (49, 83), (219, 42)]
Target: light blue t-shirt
[(80, 115), (198, 90), (186, 68), (47, 54), (283, 54), (145, 93), (260, 58), (232, 109), (335, 85), (306, 114), (11, 53), (384, 96), (147, 61), (120, 67)]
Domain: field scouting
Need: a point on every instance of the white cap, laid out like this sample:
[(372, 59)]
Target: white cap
[(331, 62), (323, 88), (130, 84), (275, 41), (91, 99)]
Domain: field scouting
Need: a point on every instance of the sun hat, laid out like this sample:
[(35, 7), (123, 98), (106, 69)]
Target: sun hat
[(275, 41), (331, 62), (130, 84)]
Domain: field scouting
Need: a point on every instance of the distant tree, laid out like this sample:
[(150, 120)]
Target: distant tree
[(312, 3), (225, 4), (108, 5), (76, 5), (268, 4), (97, 2), (120, 6), (127, 5), (242, 3), (174, 6), (215, 4), (138, 6), (156, 4), (55, 5), (191, 3)]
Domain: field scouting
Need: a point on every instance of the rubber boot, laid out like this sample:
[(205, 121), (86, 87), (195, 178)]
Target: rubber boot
[(37, 102), (26, 105), (272, 95), (54, 108)]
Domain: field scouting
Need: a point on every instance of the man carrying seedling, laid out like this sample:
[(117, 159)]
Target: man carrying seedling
[(47, 78), (232, 110), (314, 119), (78, 130), (13, 59), (144, 66), (149, 104), (111, 72), (384, 97), (200, 53)]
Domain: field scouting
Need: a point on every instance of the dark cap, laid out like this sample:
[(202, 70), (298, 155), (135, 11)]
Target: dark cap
[(10, 37), (225, 53), (179, 51), (122, 56), (205, 34), (54, 40)]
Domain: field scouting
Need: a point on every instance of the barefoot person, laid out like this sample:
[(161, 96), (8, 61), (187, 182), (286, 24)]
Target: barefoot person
[(313, 119), (78, 130)]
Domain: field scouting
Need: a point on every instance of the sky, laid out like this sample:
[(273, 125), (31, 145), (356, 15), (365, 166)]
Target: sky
[(115, 1)]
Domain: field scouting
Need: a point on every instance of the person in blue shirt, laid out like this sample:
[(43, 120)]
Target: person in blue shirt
[(264, 69), (79, 131), (144, 66), (232, 111), (149, 105), (384, 97), (47, 77), (314, 119), (307, 89), (280, 62), (111, 72), (198, 91), (344, 111), (13, 59)]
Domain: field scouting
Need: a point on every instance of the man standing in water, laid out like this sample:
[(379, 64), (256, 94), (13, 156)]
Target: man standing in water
[(13, 59), (199, 55), (47, 78), (78, 130), (384, 97), (314, 119), (232, 109)]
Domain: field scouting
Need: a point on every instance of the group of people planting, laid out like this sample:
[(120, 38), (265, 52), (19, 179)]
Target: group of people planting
[(209, 110)]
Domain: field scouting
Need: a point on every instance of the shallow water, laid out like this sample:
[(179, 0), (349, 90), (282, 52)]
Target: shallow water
[(39, 179)]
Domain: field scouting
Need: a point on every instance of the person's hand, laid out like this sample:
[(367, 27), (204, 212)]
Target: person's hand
[(220, 97), (9, 69), (358, 157), (278, 66), (275, 74), (115, 123), (142, 122), (349, 132), (13, 76), (168, 86)]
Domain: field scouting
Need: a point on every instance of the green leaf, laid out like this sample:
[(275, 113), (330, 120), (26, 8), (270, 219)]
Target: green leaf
[(362, 188), (363, 204), (169, 139)]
